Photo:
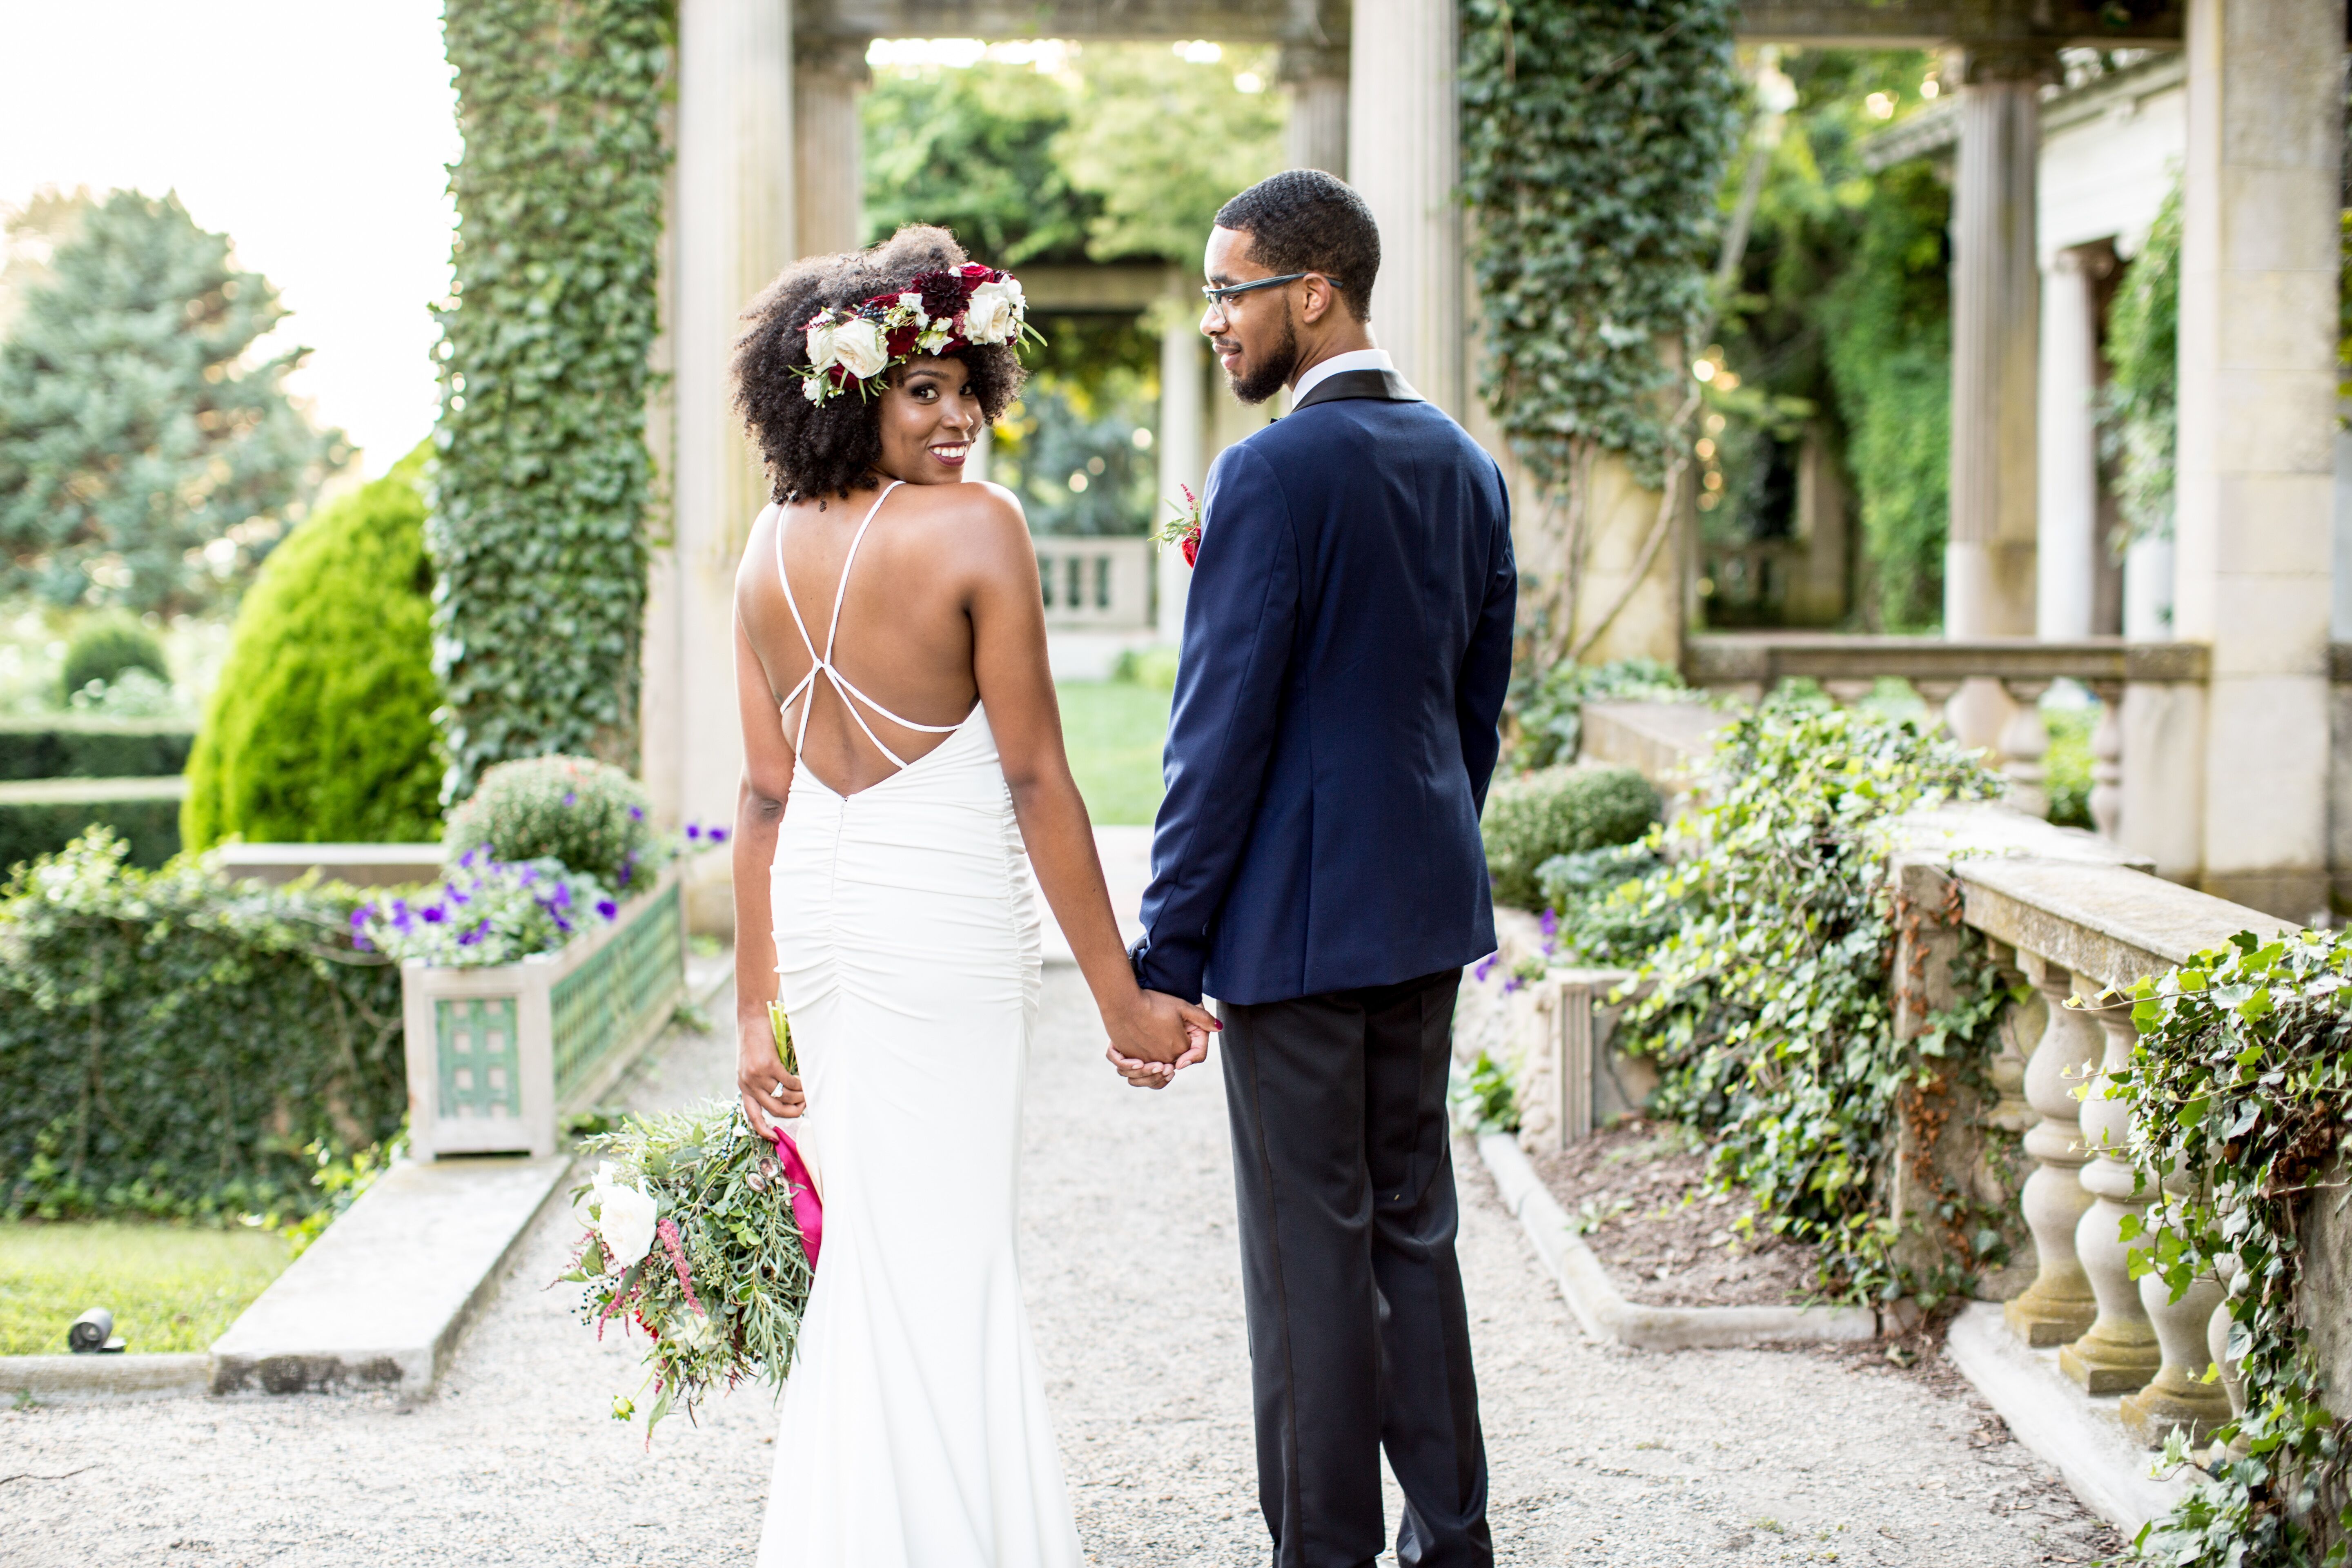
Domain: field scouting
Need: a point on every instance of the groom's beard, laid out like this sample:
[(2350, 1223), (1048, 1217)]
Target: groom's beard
[(1270, 377)]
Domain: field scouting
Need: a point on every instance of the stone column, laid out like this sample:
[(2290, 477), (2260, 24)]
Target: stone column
[(2058, 1306), (829, 76), (1404, 146), (734, 209), (1316, 136), (2257, 457), (2068, 542), (1996, 287), (1183, 416), (2179, 1395), (2119, 1352)]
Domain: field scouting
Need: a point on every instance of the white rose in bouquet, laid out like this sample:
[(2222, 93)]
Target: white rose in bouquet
[(625, 1219), (914, 305), (993, 313), (860, 345)]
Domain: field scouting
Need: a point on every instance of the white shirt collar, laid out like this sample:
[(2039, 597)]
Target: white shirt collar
[(1356, 359)]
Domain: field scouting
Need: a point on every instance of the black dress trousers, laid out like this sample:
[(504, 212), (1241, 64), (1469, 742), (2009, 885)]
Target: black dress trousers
[(1359, 1339)]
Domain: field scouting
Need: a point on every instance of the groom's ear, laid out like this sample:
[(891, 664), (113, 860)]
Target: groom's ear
[(1321, 300)]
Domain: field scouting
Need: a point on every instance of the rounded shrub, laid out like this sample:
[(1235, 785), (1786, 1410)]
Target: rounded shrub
[(1559, 811), (106, 645), (588, 814), (321, 730)]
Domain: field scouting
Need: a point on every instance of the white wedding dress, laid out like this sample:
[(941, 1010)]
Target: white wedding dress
[(914, 1432)]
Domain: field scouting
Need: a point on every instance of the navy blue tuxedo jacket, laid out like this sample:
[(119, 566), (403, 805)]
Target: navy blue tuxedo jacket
[(1346, 646)]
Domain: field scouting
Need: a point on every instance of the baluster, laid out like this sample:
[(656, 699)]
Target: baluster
[(2059, 1305), (2234, 1377), (2179, 1395), (1846, 693), (2107, 760), (2119, 1352), (2024, 743), (2011, 1111), (1937, 696)]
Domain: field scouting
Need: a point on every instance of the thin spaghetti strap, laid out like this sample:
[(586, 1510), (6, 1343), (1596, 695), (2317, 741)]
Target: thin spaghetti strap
[(821, 663)]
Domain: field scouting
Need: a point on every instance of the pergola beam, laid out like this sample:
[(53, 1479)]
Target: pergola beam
[(1318, 22), (1931, 24)]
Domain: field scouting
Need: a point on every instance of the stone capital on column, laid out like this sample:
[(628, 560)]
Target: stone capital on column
[(829, 74)]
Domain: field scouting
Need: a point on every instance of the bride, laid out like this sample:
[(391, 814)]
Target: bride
[(901, 750)]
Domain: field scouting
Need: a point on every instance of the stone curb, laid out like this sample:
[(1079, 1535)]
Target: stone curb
[(56, 1379), (2076, 1434), (1606, 1315)]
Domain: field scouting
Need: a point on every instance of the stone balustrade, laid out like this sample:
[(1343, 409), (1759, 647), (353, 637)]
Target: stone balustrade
[(2077, 918), (1096, 584), (1988, 689)]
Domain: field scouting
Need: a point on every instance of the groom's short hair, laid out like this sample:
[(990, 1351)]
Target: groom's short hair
[(1304, 220)]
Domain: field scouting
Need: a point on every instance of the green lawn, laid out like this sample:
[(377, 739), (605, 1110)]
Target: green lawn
[(1114, 730), (170, 1288)]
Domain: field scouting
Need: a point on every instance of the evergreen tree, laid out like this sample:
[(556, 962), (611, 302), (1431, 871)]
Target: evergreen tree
[(142, 461)]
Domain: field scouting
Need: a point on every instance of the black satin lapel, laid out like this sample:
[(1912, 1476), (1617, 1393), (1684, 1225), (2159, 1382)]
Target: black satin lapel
[(1386, 385)]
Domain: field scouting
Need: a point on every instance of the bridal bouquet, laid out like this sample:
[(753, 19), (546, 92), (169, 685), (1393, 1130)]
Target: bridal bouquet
[(695, 1233)]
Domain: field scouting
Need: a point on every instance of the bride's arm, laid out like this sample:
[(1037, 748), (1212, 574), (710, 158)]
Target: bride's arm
[(758, 811), (1016, 683)]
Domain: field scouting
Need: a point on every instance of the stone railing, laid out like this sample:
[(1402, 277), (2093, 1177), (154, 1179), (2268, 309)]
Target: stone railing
[(2147, 731), (2076, 919), (1096, 584)]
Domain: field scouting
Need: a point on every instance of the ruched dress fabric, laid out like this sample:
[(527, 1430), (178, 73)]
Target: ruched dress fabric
[(914, 1432)]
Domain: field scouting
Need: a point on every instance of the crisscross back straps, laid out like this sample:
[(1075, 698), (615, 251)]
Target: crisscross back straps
[(821, 663)]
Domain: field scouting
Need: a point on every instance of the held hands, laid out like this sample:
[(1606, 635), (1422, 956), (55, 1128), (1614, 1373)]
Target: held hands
[(1156, 1037), (770, 1093)]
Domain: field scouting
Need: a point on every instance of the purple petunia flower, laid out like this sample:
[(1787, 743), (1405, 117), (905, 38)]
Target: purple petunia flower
[(571, 797), (466, 859), (434, 914), (607, 908), (718, 835), (1485, 967), (627, 866), (359, 916), (694, 833), (361, 943), (1513, 984), (563, 895), (563, 925), (1550, 924), (636, 813), (400, 920), (471, 935), (456, 897)]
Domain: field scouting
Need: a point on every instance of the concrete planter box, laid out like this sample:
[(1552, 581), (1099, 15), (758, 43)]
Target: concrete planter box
[(498, 1057)]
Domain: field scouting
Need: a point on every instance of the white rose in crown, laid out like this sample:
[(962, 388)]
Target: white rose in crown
[(820, 342), (859, 347), (625, 1220), (993, 315)]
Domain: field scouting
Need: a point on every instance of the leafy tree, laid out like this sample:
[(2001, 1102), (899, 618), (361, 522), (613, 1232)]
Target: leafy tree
[(144, 462), (1161, 141), (2140, 407), (973, 150)]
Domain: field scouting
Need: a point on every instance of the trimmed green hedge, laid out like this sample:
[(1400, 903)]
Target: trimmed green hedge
[(173, 1043), (65, 748), (1559, 811), (321, 730), (42, 817)]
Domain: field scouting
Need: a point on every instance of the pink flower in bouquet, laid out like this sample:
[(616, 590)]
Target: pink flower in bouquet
[(1184, 528)]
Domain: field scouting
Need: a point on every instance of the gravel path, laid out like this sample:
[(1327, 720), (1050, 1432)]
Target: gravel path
[(1598, 1456)]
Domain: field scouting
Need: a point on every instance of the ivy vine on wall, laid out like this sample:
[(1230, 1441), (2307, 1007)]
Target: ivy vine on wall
[(1594, 135), (2139, 407), (542, 478)]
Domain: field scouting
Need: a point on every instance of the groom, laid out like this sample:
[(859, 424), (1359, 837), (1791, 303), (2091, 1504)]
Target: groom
[(1317, 867)]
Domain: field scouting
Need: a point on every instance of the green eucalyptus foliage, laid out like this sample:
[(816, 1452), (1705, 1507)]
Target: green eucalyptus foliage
[(587, 815), (1768, 1005), (104, 646), (134, 431), (171, 1044), (543, 481), (1593, 136), (2140, 405), (319, 730), (1559, 811), (1889, 326), (2240, 1082)]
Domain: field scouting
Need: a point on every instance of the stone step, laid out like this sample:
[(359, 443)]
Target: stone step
[(380, 1300)]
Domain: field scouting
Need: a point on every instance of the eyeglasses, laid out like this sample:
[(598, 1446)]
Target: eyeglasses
[(1216, 296)]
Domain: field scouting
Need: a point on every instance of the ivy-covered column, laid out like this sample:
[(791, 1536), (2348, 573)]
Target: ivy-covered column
[(542, 478), (2253, 491), (734, 233)]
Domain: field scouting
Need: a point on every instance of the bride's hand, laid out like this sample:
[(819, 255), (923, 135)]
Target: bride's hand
[(770, 1093)]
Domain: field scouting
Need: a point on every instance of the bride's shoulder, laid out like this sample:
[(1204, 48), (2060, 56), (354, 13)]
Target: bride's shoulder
[(983, 515)]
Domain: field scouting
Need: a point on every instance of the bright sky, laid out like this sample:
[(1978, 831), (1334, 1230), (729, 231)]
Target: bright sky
[(314, 132)]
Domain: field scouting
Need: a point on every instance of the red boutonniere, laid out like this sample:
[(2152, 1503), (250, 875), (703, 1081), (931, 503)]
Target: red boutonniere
[(1184, 528)]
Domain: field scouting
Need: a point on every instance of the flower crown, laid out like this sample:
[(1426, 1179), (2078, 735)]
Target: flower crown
[(936, 313)]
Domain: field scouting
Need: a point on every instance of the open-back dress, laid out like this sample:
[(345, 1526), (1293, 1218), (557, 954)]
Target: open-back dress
[(915, 1432)]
